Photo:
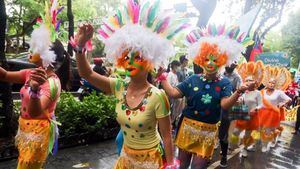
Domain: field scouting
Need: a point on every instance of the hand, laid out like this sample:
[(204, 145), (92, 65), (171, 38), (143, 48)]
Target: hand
[(242, 88), (37, 78), (84, 34), (160, 71), (253, 111)]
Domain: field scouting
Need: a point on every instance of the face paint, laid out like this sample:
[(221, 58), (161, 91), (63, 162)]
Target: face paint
[(135, 64), (34, 58), (271, 84), (210, 65)]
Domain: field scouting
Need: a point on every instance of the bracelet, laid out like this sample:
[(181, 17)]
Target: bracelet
[(175, 165), (79, 50), (162, 77), (34, 94)]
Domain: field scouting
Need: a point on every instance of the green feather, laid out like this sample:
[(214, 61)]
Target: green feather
[(152, 14)]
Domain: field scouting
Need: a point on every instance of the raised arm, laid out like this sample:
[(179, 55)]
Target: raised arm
[(101, 82), (12, 76), (171, 91)]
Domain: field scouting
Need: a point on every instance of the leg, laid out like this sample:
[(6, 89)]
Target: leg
[(199, 162), (31, 165), (223, 133), (119, 142), (297, 120), (184, 158)]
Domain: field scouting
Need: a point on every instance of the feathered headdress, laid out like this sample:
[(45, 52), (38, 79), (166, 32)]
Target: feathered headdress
[(140, 27), (45, 33), (226, 43), (253, 69), (280, 74)]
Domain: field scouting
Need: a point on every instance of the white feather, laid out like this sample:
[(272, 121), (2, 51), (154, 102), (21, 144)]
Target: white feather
[(153, 47)]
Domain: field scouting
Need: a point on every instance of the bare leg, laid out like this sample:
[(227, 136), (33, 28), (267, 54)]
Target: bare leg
[(199, 162), (184, 158)]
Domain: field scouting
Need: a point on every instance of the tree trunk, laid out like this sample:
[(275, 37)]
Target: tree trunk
[(71, 24), (6, 110), (206, 9)]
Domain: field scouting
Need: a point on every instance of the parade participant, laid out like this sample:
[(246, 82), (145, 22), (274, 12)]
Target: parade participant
[(173, 80), (206, 94), (276, 80), (137, 38), (250, 72), (37, 135), (225, 125)]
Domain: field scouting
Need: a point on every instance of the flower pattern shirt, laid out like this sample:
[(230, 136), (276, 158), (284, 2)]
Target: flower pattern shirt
[(204, 97)]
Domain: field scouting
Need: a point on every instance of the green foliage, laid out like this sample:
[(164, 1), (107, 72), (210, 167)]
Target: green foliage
[(273, 42), (291, 38), (88, 116)]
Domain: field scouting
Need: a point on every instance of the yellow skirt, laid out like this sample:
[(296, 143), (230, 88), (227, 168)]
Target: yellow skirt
[(140, 159), (32, 141), (197, 137)]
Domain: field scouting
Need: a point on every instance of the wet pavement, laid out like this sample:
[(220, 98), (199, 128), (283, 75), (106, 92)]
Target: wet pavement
[(286, 155)]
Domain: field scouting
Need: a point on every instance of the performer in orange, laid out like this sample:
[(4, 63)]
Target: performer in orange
[(276, 80), (249, 72), (137, 40), (212, 49), (38, 133)]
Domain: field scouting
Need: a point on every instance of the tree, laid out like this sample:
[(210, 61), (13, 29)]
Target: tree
[(71, 25), (6, 110), (291, 39), (270, 16), (206, 9)]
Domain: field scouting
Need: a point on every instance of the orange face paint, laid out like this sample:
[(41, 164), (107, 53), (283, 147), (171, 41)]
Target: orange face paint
[(34, 58), (209, 58), (133, 63)]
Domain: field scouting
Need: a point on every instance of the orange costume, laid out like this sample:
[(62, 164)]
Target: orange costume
[(272, 112)]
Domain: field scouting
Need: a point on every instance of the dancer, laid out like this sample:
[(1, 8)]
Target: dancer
[(206, 94), (37, 135), (250, 72), (276, 80), (137, 40)]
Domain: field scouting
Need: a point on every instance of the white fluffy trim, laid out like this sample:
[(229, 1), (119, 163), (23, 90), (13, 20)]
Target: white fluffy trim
[(153, 47), (40, 43), (232, 48)]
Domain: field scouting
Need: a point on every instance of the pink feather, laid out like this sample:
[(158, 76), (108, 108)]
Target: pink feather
[(108, 27), (103, 34), (136, 13), (164, 25), (221, 29), (241, 37)]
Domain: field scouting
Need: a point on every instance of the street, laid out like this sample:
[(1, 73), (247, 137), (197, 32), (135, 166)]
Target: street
[(286, 155)]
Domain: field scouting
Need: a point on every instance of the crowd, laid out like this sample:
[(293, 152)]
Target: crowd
[(216, 102)]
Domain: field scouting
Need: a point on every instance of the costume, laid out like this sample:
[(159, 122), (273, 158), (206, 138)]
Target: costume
[(38, 136), (210, 48), (137, 38), (253, 71), (270, 115)]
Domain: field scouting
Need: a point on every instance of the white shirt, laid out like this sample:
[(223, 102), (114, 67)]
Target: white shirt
[(172, 79), (276, 97), (253, 99)]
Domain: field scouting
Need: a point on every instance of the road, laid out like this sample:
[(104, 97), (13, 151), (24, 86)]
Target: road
[(286, 155)]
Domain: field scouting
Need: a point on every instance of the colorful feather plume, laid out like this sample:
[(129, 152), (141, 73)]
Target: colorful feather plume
[(45, 33), (229, 40), (140, 25)]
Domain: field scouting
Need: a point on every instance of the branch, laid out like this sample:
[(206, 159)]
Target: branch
[(275, 23)]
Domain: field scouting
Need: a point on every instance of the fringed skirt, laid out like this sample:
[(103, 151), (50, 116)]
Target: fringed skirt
[(197, 137), (140, 159)]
